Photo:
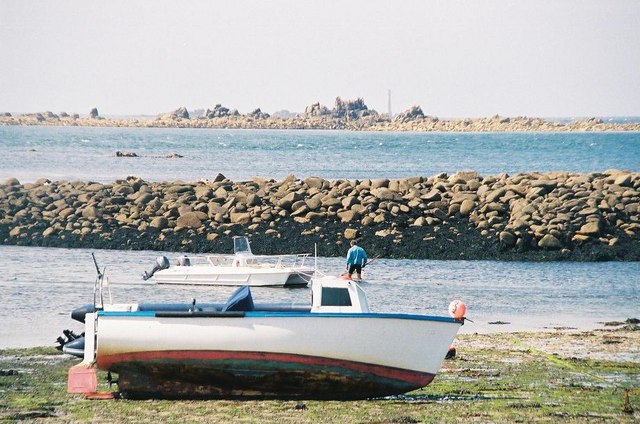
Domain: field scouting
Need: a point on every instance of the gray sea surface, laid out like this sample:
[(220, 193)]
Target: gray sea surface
[(39, 287), (86, 153)]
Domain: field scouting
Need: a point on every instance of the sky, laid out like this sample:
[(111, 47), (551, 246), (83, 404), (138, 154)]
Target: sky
[(472, 58)]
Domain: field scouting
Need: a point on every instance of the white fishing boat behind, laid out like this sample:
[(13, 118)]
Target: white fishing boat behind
[(241, 268)]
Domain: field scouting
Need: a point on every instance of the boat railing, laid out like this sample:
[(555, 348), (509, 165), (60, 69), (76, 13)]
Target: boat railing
[(275, 261), (282, 261), (219, 260), (99, 286)]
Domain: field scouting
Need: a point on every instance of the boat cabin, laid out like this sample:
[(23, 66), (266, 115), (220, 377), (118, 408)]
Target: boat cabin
[(329, 294), (337, 294)]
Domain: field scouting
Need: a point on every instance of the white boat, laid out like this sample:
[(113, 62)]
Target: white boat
[(334, 348), (241, 268)]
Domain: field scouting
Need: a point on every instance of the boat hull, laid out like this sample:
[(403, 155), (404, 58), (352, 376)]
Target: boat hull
[(224, 374), (272, 355)]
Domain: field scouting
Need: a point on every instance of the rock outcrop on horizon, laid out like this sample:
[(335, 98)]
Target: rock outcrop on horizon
[(412, 114), (352, 115), (532, 216)]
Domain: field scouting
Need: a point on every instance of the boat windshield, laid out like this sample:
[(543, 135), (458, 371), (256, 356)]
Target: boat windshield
[(241, 245)]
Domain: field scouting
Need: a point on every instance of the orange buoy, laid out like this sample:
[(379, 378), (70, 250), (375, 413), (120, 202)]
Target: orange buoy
[(451, 353), (457, 309)]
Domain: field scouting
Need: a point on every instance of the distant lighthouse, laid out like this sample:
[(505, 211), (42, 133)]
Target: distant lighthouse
[(389, 104)]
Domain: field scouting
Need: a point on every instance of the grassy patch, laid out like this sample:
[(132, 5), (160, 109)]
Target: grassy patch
[(494, 378)]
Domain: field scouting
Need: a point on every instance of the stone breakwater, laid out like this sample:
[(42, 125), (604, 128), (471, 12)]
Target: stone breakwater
[(532, 216)]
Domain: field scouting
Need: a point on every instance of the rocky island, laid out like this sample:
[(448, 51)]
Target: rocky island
[(530, 216), (352, 115)]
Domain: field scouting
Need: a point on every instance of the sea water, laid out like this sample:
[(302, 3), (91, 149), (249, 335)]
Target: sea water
[(86, 153), (40, 286)]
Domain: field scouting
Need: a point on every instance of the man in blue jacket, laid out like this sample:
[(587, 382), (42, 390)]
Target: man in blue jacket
[(356, 259)]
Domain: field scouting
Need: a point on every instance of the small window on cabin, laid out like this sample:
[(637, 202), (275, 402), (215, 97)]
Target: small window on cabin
[(332, 296)]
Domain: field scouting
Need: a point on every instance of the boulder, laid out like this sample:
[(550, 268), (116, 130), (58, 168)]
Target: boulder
[(48, 232), (379, 183), (580, 238), (287, 201), (218, 111), (159, 222), (383, 193), (419, 222), (411, 114), (219, 178), (239, 217), (535, 192), (313, 203), (143, 199), (453, 209), (592, 228), (90, 212), (65, 213), (315, 215), (299, 210), (177, 189), (351, 233), (623, 180), (466, 207), (329, 200), (508, 239), (126, 154), (465, 176), (549, 242), (346, 216), (548, 185), (258, 114), (495, 195), (221, 193), (433, 196), (367, 220), (350, 109), (349, 201), (253, 200), (203, 192), (188, 220), (461, 197), (314, 182), (180, 113), (316, 109)]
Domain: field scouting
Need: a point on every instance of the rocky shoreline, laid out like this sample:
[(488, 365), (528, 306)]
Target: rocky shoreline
[(532, 216), (351, 115)]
